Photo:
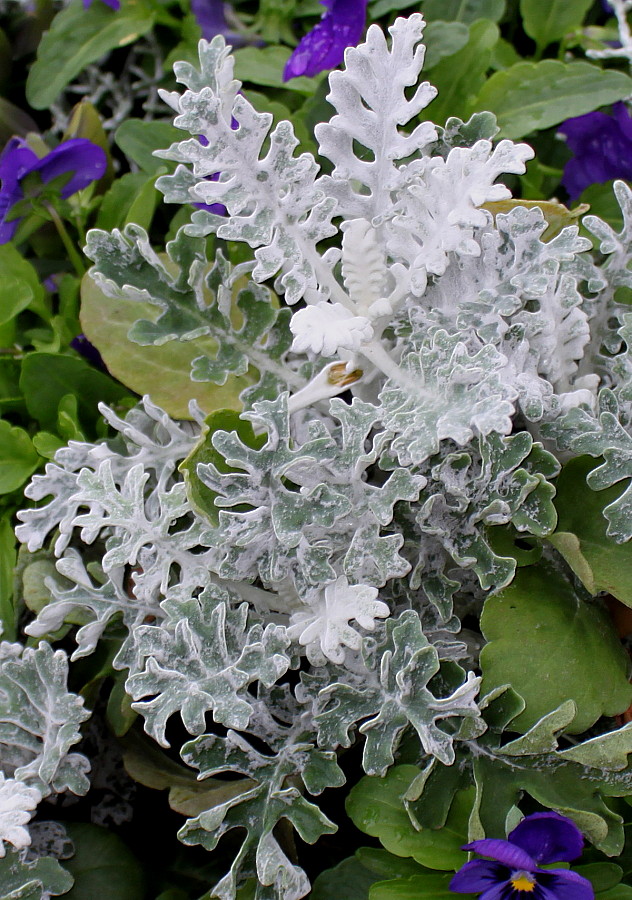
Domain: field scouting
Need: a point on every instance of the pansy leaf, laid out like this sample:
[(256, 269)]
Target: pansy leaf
[(552, 645), (550, 23), (532, 96), (86, 35), (581, 534)]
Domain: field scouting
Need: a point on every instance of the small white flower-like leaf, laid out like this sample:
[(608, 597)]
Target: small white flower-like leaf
[(326, 328), (17, 802), (324, 629)]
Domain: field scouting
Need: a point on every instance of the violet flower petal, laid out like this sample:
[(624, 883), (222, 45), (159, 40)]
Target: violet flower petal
[(562, 884), (548, 837), (504, 852), (85, 160), (82, 345), (113, 4), (16, 160), (602, 145), (324, 46), (210, 17), (479, 875)]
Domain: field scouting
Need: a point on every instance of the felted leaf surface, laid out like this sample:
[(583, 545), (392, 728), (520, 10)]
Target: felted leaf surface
[(35, 880), (260, 808), (551, 645), (391, 695), (581, 535), (39, 721)]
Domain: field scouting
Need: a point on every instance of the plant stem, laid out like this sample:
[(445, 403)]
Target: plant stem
[(73, 253)]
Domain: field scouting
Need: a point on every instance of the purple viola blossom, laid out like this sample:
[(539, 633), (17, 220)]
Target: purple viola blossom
[(113, 4), (84, 161), (602, 145), (324, 46), (82, 345), (512, 870)]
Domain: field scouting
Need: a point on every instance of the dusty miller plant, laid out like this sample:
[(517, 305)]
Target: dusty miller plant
[(292, 579)]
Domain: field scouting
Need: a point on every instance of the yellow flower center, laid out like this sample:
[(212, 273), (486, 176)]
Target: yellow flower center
[(522, 881)]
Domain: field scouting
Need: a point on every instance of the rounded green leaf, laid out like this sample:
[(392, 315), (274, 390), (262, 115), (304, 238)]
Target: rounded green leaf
[(532, 96), (18, 457), (102, 866), (600, 563), (376, 807), (550, 21), (551, 646)]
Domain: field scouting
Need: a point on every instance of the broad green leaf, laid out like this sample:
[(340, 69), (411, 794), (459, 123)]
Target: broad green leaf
[(552, 646), (419, 887), (533, 96), (600, 563), (459, 77), (138, 140), (102, 866), (466, 11), (163, 370), (15, 295), (13, 265), (550, 21), (202, 497), (376, 806), (47, 378), (143, 205), (264, 65), (620, 892), (349, 879), (602, 875), (118, 200), (443, 39), (18, 457), (10, 395), (78, 37)]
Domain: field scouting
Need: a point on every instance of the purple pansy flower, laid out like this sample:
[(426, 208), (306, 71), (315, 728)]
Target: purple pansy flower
[(113, 4), (82, 345), (602, 145), (513, 871), (324, 46), (84, 161)]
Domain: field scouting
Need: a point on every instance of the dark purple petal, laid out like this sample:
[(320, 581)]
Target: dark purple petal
[(210, 17), (84, 159), (548, 837), (324, 46), (15, 161), (562, 884), (602, 146), (479, 875), (113, 4), (83, 346), (607, 7), (504, 852)]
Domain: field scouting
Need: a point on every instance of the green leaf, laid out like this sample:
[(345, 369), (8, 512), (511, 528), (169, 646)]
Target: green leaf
[(202, 497), (118, 200), (162, 370), (15, 295), (376, 806), (430, 887), (466, 11), (18, 457), (552, 646), (443, 39), (102, 866), (85, 36), (602, 875), (8, 558), (459, 77), (581, 535), (534, 96), (620, 892), (264, 65), (349, 879), (138, 140), (13, 265), (550, 21), (47, 378)]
